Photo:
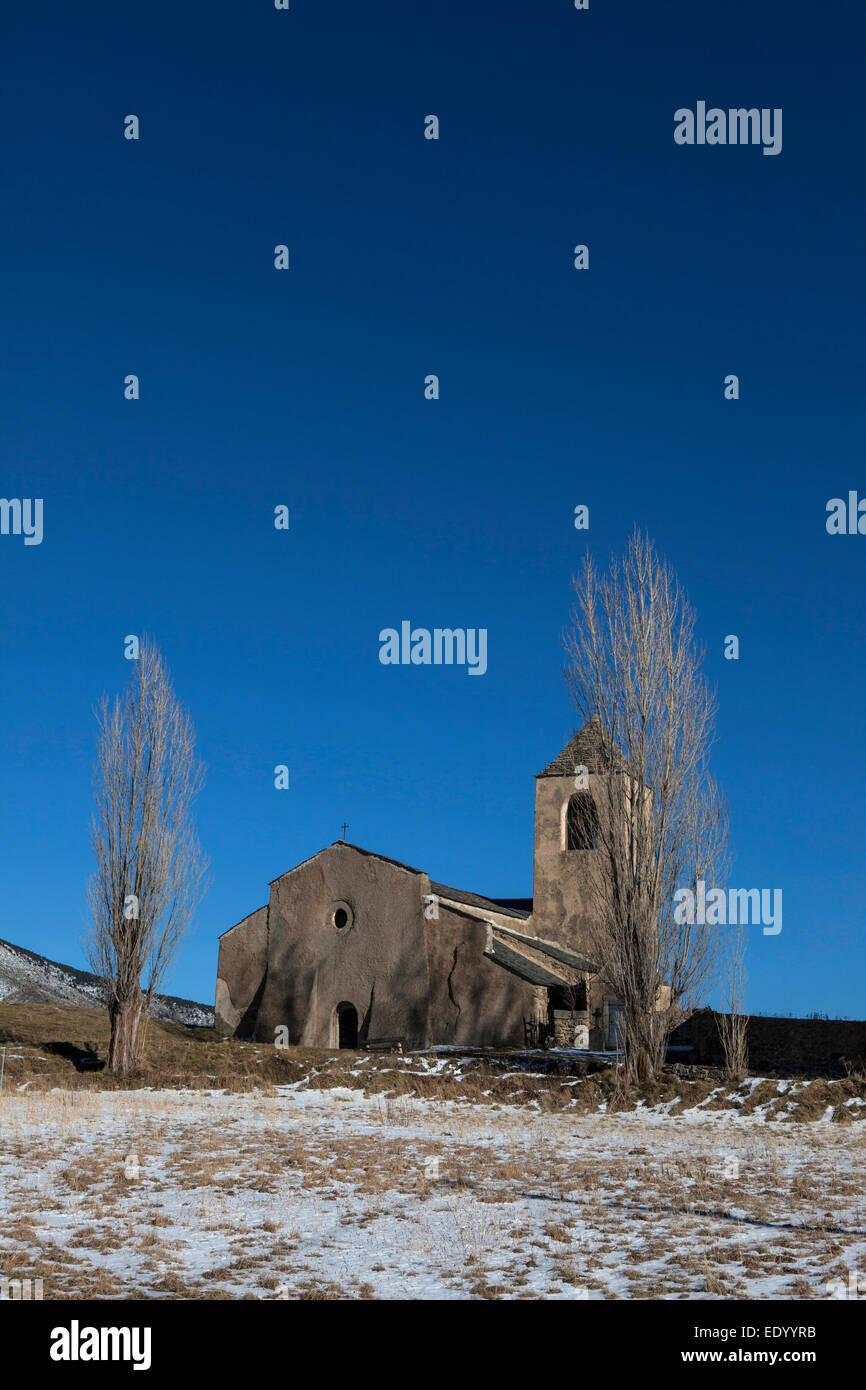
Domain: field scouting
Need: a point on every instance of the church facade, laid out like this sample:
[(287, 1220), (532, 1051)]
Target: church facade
[(354, 949)]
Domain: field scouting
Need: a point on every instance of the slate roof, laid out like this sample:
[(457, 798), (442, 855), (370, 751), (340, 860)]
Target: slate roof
[(590, 748), (519, 904), (555, 951), (518, 964), (475, 900)]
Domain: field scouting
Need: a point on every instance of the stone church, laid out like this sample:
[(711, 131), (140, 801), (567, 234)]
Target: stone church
[(354, 949)]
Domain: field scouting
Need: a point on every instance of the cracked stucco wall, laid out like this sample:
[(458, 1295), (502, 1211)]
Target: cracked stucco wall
[(243, 960), (473, 1002), (378, 963)]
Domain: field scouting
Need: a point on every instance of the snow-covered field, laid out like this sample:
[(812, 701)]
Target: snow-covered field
[(335, 1194)]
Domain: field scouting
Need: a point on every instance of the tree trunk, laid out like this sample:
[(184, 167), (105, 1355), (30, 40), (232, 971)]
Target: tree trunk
[(125, 1016), (644, 1050)]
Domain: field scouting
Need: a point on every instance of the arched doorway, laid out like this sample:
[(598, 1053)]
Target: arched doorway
[(346, 1025)]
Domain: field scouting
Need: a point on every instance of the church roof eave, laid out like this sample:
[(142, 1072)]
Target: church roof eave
[(517, 964), (553, 949), (263, 907), (344, 844), (484, 905)]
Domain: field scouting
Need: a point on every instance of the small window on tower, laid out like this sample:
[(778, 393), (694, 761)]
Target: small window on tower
[(581, 822)]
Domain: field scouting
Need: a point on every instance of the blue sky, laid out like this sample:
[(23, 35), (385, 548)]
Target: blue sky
[(305, 387)]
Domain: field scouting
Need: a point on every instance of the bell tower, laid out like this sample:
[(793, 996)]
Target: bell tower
[(569, 795)]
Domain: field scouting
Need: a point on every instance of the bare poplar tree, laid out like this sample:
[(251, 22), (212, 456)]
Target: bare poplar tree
[(733, 1022), (633, 664), (149, 867)]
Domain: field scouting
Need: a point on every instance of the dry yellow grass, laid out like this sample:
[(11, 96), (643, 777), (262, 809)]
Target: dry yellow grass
[(249, 1196), (43, 1042)]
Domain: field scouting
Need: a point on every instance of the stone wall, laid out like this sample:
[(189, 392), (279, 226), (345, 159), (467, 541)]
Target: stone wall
[(784, 1046), (571, 1027)]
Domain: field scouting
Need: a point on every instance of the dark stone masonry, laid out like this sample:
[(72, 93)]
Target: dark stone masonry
[(781, 1046)]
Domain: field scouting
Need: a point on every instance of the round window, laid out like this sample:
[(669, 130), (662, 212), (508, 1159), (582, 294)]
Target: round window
[(342, 916)]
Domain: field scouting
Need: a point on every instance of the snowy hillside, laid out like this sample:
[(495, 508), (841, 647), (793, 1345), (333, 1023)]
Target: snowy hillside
[(26, 978)]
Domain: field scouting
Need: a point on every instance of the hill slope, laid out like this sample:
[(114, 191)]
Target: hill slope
[(27, 978)]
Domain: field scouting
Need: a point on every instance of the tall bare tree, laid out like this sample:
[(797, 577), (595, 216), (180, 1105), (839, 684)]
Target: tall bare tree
[(634, 664), (733, 1022), (149, 867)]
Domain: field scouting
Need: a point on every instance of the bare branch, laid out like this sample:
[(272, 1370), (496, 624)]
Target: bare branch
[(633, 662), (149, 866)]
